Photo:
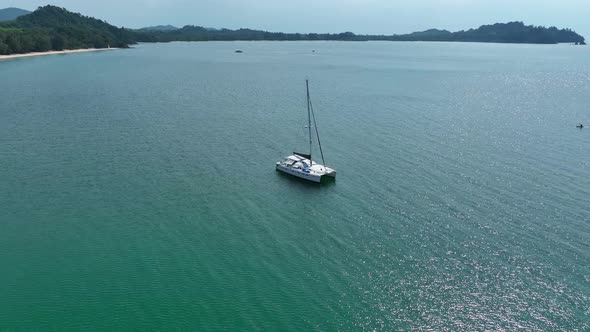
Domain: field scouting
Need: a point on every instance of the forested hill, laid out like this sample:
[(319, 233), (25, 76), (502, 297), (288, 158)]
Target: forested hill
[(160, 28), (512, 32), (54, 28)]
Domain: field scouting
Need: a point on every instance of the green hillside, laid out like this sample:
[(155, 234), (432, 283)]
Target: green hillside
[(54, 28), (511, 32)]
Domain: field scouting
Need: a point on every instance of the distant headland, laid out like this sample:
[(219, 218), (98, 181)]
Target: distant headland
[(512, 32), (8, 14), (52, 28)]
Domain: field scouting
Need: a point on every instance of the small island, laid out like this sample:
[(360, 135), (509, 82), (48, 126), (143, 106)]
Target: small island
[(52, 28), (512, 32)]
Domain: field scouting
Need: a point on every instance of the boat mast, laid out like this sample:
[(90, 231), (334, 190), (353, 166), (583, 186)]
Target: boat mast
[(308, 119), (315, 125)]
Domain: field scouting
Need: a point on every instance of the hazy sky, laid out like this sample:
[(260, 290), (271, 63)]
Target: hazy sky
[(359, 16)]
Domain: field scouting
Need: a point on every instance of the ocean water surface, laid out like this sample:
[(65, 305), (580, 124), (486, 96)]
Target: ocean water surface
[(138, 189)]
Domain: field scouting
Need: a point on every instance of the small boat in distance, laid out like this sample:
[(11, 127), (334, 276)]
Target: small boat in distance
[(239, 51), (580, 126), (301, 165)]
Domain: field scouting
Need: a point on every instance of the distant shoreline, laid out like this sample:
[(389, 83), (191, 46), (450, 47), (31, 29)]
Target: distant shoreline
[(33, 54)]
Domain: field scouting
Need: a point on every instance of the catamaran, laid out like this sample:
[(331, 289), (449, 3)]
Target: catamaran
[(302, 165)]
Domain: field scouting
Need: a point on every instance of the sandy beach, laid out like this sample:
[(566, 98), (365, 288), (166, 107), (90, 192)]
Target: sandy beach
[(32, 54)]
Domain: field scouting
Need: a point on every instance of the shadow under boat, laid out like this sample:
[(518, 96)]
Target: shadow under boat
[(324, 180)]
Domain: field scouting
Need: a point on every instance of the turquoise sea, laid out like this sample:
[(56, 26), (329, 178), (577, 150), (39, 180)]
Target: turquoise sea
[(138, 189)]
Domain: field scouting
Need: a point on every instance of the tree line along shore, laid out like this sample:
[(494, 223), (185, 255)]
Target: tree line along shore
[(52, 28)]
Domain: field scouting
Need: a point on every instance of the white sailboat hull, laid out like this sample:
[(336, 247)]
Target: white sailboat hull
[(300, 167), (300, 173)]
